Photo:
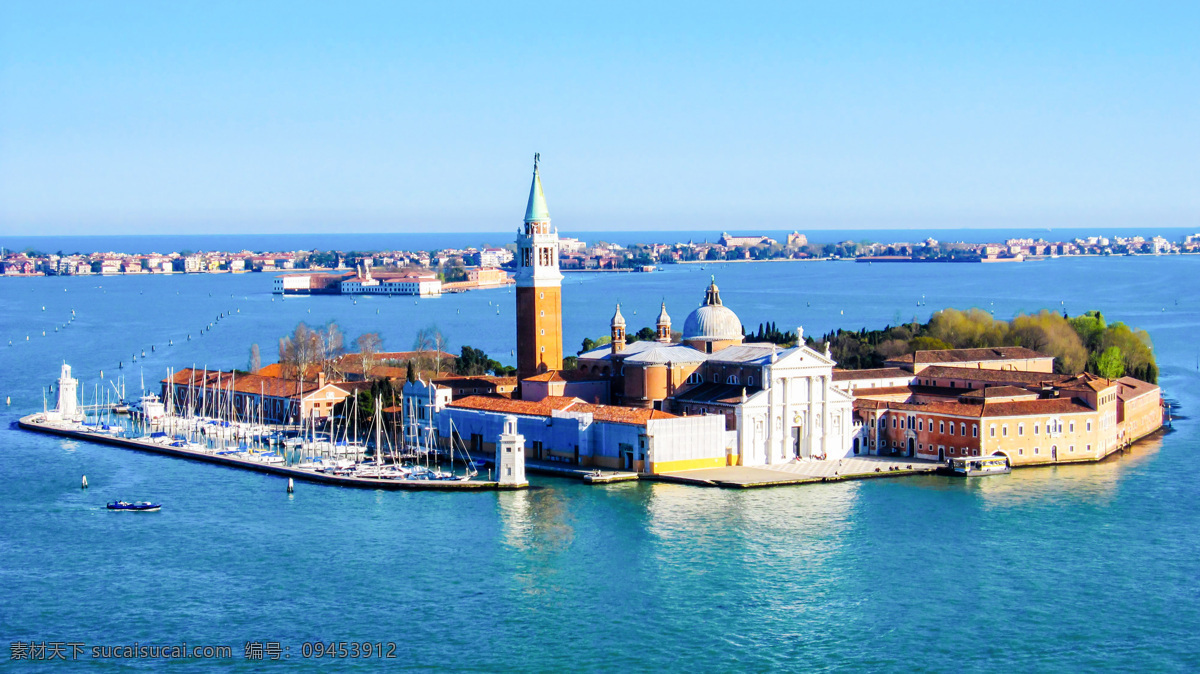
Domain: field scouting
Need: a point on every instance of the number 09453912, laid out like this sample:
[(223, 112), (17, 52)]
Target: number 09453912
[(348, 649)]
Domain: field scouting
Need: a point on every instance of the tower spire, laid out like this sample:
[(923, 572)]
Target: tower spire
[(536, 209)]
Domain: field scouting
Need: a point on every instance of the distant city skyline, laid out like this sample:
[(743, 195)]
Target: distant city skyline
[(142, 118)]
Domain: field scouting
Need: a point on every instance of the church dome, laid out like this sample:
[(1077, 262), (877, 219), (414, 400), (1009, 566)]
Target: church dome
[(711, 321)]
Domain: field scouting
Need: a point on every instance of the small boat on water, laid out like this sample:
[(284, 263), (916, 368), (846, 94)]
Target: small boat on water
[(975, 466), (139, 506)]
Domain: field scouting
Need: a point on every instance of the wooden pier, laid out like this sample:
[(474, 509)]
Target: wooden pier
[(34, 422)]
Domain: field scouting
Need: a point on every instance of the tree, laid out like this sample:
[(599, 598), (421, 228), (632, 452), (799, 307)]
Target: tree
[(589, 343), (430, 344), (1110, 364), (255, 358), (1050, 333), (644, 335), (299, 351), (411, 374), (369, 344), (332, 347), (927, 344), (472, 362)]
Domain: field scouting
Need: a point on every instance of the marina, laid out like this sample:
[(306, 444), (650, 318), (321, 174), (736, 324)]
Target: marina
[(38, 424)]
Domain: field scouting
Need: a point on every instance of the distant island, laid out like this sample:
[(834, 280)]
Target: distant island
[(454, 265)]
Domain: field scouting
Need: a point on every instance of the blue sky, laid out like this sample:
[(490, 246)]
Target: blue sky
[(167, 117)]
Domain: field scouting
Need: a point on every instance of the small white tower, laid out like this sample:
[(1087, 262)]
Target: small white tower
[(510, 454), (67, 397)]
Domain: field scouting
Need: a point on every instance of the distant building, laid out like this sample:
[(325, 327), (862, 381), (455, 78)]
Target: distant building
[(730, 241)]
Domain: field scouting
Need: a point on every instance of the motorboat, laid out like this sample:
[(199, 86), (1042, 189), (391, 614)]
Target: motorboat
[(137, 506)]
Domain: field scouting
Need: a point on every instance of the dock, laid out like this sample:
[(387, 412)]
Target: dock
[(586, 474), (35, 423)]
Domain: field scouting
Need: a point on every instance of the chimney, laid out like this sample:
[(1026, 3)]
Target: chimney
[(321, 379)]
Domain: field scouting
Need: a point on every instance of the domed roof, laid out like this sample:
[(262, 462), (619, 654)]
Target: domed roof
[(712, 321)]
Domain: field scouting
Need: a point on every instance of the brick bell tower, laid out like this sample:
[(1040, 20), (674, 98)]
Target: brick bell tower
[(539, 288)]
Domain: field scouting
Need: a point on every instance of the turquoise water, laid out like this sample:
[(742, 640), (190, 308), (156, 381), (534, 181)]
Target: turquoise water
[(1053, 569)]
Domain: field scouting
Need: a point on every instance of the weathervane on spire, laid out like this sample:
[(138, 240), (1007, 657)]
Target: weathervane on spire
[(537, 158)]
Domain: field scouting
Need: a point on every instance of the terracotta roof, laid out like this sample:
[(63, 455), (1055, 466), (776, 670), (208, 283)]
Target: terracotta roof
[(991, 392), (552, 375), (503, 405), (1129, 388), (876, 373), (637, 416), (991, 409), (1044, 406), (969, 355), (1086, 381), (276, 370), (242, 383), (545, 407), (999, 376)]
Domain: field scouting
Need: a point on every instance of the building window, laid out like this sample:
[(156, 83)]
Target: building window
[(893, 422), (1021, 452), (1020, 430), (541, 296), (1004, 430), (1071, 449), (974, 430), (941, 427), (732, 379), (1089, 448), (1035, 429), (543, 332), (1071, 427), (543, 314), (694, 378), (749, 381), (920, 424), (952, 449), (1089, 426), (992, 430), (951, 428), (716, 378), (543, 349)]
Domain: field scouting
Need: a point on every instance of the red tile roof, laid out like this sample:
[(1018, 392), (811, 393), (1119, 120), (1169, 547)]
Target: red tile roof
[(1129, 388), (876, 373), (543, 408), (999, 376)]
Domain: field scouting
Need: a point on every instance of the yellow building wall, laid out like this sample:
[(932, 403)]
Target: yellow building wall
[(687, 464)]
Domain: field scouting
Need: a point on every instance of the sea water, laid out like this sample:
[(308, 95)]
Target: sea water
[(1048, 569)]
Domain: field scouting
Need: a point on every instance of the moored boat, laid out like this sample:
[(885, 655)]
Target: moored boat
[(975, 466)]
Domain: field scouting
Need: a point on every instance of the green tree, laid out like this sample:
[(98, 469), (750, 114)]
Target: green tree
[(1110, 364), (927, 344)]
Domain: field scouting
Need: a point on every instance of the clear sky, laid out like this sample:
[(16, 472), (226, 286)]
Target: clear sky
[(256, 116)]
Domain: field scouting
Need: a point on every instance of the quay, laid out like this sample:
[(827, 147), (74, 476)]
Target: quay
[(36, 423)]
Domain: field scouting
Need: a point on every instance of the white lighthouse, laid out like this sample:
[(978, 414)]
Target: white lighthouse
[(510, 455), (68, 403)]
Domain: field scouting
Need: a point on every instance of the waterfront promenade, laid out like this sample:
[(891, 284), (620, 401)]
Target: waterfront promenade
[(802, 472)]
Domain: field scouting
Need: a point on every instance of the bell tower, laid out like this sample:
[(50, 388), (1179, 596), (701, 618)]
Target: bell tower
[(539, 287)]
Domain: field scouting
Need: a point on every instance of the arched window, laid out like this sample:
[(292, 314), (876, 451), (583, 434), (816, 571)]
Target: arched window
[(732, 379)]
